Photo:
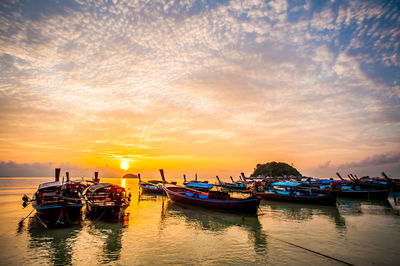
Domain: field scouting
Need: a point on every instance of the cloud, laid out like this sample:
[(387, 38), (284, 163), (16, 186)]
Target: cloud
[(14, 169), (372, 166), (375, 160), (159, 77), (325, 165)]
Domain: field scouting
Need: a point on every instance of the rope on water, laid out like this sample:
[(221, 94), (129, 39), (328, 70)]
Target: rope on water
[(33, 209), (98, 218), (259, 210), (313, 251), (40, 221), (20, 222), (61, 216)]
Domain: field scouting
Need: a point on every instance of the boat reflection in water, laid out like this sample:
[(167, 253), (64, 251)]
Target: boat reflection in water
[(52, 246), (353, 207), (394, 200), (220, 222), (296, 211), (111, 234), (65, 246), (149, 196)]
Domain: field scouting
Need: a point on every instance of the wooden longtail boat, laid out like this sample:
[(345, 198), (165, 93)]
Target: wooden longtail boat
[(200, 186), (185, 182), (359, 194), (213, 199), (352, 190), (57, 203), (152, 186), (234, 185), (288, 191), (374, 183), (104, 200)]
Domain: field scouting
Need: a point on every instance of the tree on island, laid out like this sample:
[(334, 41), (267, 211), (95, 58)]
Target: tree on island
[(275, 169)]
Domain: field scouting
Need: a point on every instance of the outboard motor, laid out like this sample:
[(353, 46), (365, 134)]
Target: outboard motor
[(26, 200)]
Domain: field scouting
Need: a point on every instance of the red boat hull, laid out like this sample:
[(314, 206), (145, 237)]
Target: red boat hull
[(320, 199), (249, 205)]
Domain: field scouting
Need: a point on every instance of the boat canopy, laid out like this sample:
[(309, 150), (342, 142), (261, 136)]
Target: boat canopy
[(155, 181), (324, 181), (200, 185), (285, 184), (95, 187), (50, 184)]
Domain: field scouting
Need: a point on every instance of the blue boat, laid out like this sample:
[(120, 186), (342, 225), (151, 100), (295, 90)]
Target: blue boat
[(57, 203), (185, 182), (200, 186), (152, 186), (238, 185), (291, 192)]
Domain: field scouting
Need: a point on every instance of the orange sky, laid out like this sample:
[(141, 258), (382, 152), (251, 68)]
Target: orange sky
[(197, 89)]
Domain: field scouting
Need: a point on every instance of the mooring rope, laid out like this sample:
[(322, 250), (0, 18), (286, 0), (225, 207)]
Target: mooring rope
[(40, 221), (33, 209), (59, 218), (313, 251), (262, 213), (20, 222), (98, 218)]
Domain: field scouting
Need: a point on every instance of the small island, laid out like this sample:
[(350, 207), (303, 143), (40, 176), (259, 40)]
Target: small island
[(275, 169), (130, 176)]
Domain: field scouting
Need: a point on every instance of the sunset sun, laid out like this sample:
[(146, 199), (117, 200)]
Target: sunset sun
[(124, 165)]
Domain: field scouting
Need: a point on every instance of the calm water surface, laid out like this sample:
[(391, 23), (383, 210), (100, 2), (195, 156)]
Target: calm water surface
[(157, 231)]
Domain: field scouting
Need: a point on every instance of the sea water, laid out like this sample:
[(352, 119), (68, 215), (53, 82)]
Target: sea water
[(156, 231)]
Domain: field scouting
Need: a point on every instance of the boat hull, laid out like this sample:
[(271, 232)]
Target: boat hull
[(102, 210), (155, 190), (249, 205), (320, 199), (58, 215), (356, 194), (105, 200), (370, 185), (365, 194)]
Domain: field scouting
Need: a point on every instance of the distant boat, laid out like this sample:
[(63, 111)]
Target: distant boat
[(192, 181), (200, 186), (152, 186), (356, 193), (352, 190), (217, 200), (236, 185), (342, 188), (105, 200), (374, 183), (57, 203), (196, 184), (288, 191)]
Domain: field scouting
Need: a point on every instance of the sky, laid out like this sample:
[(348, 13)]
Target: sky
[(207, 87)]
